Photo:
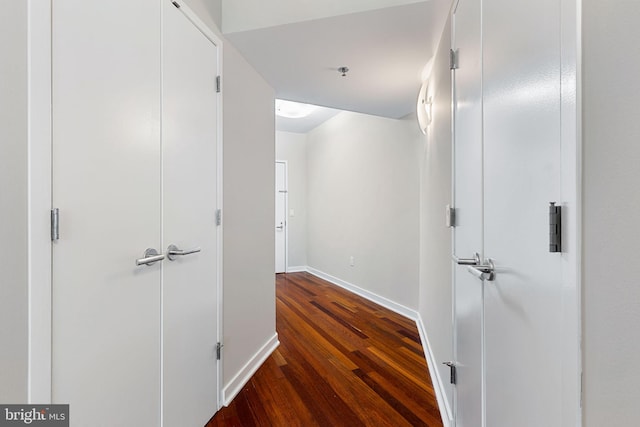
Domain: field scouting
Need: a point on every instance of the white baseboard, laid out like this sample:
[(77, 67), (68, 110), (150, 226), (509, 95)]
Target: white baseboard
[(231, 390), (443, 404), (297, 269), (387, 303)]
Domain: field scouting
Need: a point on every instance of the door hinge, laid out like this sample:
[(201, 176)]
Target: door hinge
[(555, 228), (218, 84), (450, 216), (581, 387), (218, 216), (453, 376), (453, 59), (55, 224), (219, 350)]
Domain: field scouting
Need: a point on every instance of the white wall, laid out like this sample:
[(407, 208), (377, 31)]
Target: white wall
[(248, 213), (292, 147), (611, 208), (13, 203), (210, 11), (248, 210), (435, 303), (363, 201)]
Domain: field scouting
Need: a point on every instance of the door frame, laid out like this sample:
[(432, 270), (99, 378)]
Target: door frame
[(453, 415), (217, 42), (286, 214), (40, 139), (571, 175), (455, 273)]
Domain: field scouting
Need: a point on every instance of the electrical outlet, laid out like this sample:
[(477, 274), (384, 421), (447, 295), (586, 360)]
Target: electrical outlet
[(352, 261)]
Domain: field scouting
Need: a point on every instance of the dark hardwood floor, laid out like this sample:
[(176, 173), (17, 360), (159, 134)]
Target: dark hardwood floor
[(342, 361)]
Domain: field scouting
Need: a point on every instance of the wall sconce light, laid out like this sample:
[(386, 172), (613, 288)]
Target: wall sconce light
[(424, 108)]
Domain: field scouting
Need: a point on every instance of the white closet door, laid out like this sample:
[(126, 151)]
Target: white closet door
[(106, 183), (190, 200), (522, 155), (468, 201)]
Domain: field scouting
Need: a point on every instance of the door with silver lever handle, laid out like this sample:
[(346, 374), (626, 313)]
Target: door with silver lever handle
[(173, 252), (468, 261), (150, 257), (474, 266), (483, 272)]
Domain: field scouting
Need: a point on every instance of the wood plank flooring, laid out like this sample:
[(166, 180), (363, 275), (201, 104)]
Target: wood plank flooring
[(342, 361)]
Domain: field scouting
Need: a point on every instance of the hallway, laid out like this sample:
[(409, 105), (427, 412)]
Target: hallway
[(342, 361)]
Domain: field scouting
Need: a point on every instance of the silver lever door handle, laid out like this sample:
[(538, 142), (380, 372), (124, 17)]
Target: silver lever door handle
[(280, 227), (173, 252), (484, 272), (151, 256), (468, 261)]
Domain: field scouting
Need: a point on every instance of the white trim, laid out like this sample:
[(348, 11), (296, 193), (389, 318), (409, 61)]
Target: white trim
[(213, 37), (235, 385), (571, 168), (220, 182), (200, 25), (577, 266), (39, 200), (298, 269), (380, 300), (436, 380)]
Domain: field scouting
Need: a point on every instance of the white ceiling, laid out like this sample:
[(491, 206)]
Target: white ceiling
[(386, 49), (244, 15)]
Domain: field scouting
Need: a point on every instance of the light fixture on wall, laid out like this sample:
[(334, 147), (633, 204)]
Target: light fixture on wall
[(293, 110), (424, 107)]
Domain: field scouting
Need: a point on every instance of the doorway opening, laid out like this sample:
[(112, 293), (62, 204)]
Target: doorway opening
[(281, 223)]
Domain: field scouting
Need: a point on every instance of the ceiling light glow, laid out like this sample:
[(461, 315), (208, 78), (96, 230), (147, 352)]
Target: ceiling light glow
[(293, 110)]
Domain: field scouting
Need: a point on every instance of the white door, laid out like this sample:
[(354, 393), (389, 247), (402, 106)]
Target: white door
[(468, 202), (189, 204), (281, 217), (517, 128), (522, 174), (134, 167), (106, 183)]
